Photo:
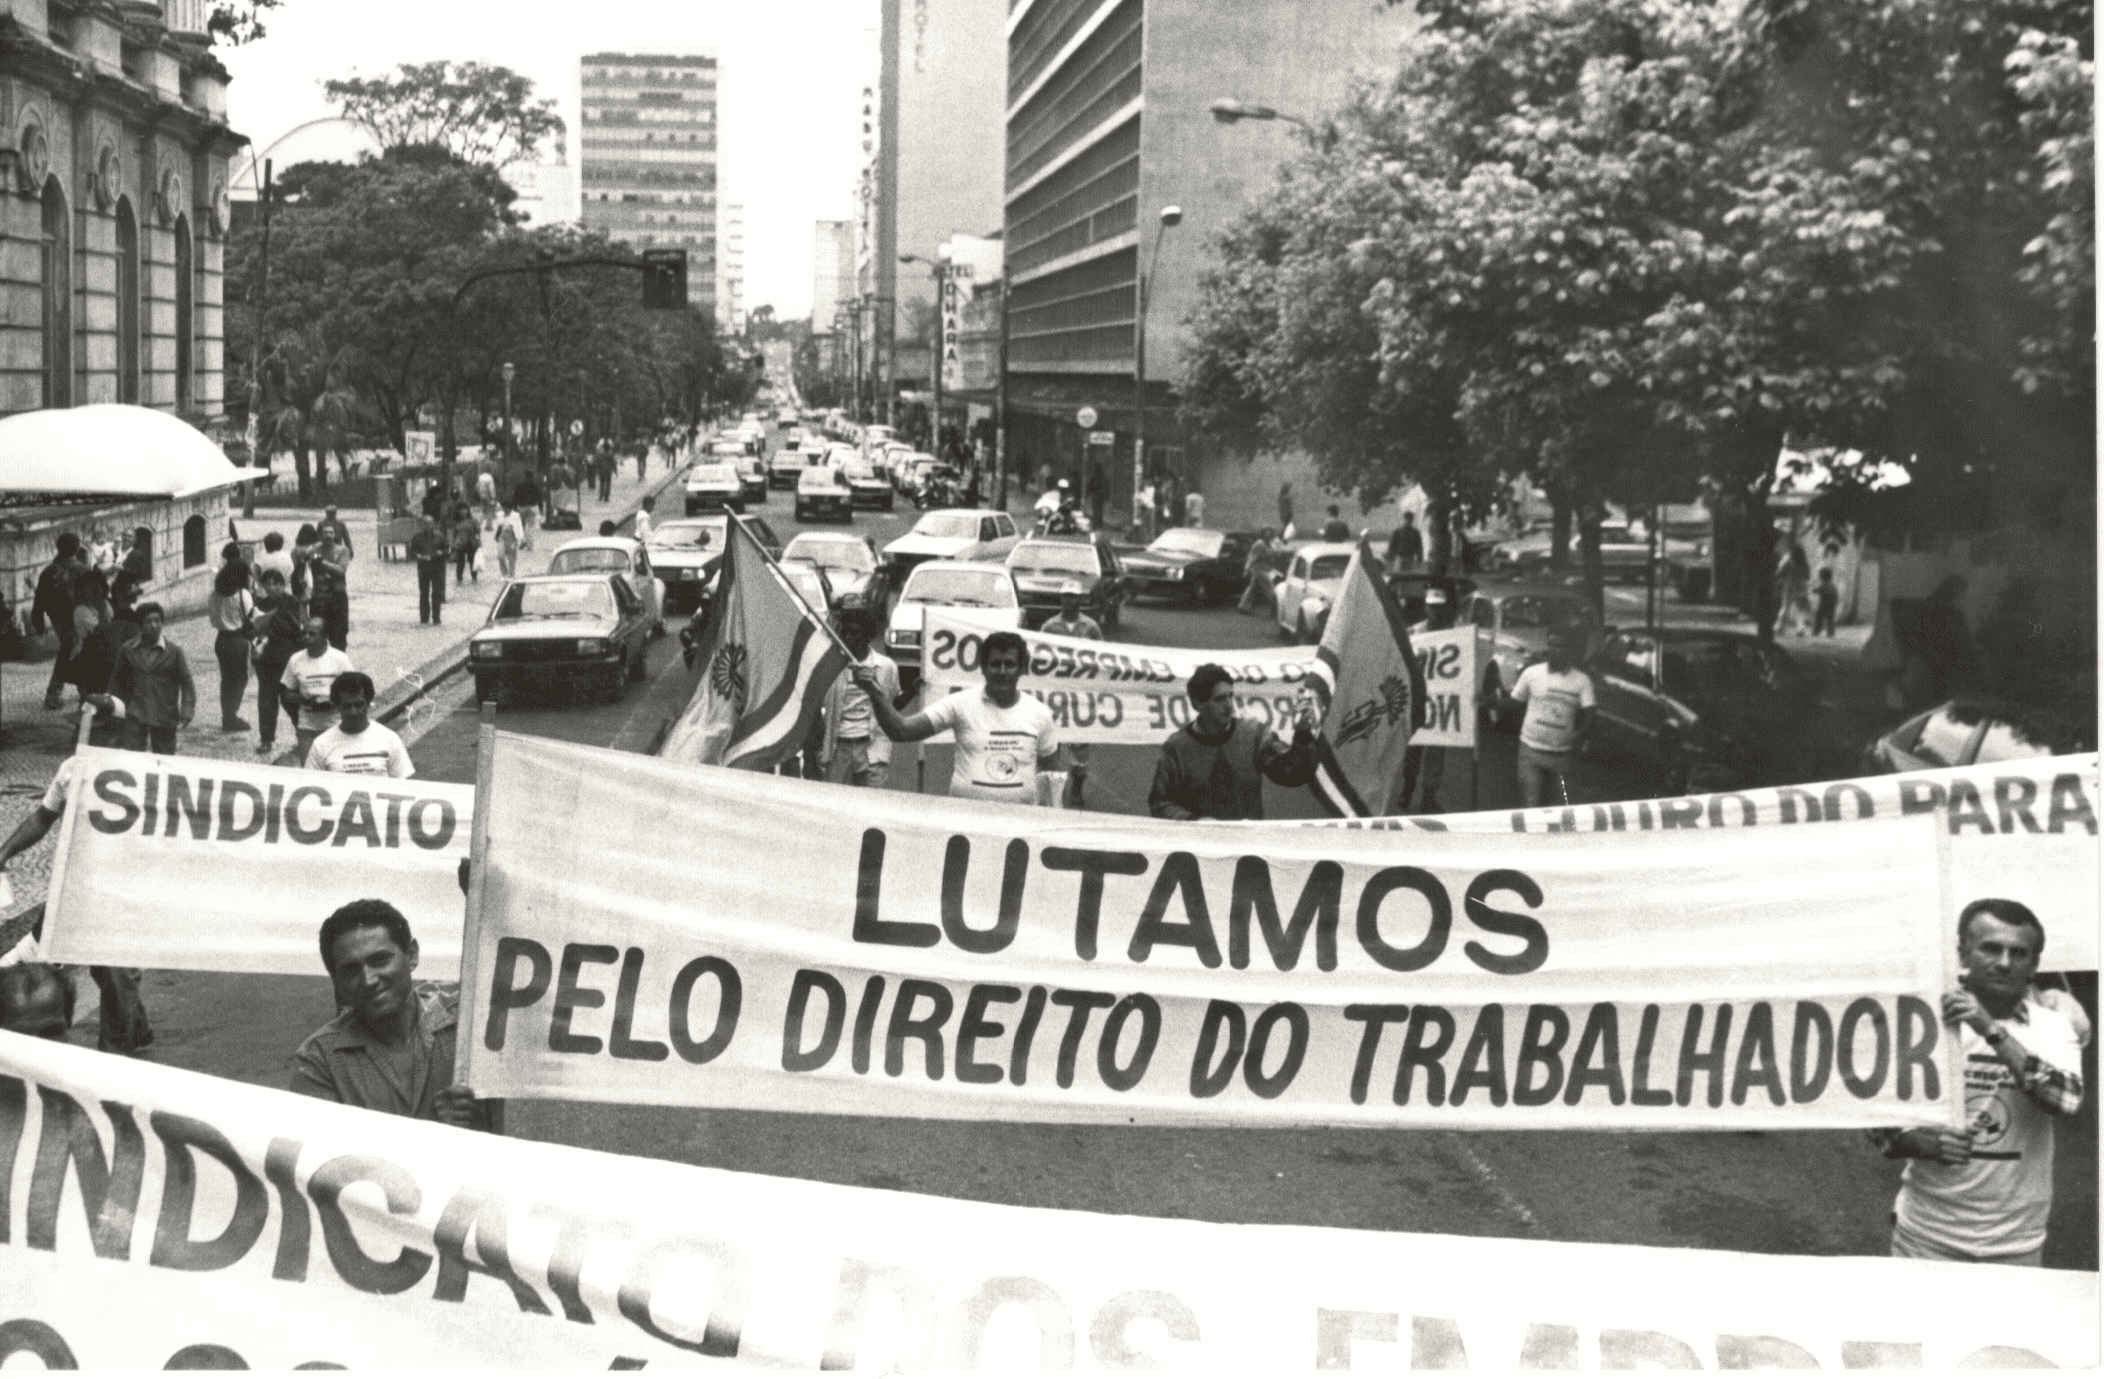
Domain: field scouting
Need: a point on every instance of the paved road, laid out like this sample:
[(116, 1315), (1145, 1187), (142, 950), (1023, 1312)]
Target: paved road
[(1811, 1193)]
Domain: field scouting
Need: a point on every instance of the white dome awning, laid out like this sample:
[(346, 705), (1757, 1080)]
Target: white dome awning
[(110, 450)]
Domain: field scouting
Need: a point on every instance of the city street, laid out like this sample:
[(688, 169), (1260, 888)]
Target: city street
[(1812, 1193)]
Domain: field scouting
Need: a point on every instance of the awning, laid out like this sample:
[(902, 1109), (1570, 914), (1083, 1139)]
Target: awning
[(109, 450)]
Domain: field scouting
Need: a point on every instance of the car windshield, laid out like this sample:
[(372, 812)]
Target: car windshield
[(960, 589), (1030, 559), (807, 583), (714, 474), (1189, 541), (855, 469), (952, 526), (579, 598), (818, 476), (1727, 667), (1329, 567), (1536, 612), (832, 553), (686, 538), (587, 560)]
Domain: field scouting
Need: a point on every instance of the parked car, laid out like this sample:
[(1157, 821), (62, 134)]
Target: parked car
[(1968, 732), (621, 555), (786, 468), (850, 563), (1043, 565), (712, 486), (1625, 553), (810, 582), (986, 592), (1411, 587), (1192, 563), (821, 493), (953, 534), (866, 486), (549, 631), (1314, 573), (1708, 711), (1512, 622)]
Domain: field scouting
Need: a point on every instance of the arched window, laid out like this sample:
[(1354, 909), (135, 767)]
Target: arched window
[(58, 296), (185, 316), (194, 542), (127, 302)]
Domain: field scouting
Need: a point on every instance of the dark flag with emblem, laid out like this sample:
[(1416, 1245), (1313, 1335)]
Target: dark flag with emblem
[(1369, 692), (765, 663)]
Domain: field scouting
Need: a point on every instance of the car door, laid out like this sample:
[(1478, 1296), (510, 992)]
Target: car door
[(1291, 590), (1005, 536), (1625, 683), (649, 588), (633, 631)]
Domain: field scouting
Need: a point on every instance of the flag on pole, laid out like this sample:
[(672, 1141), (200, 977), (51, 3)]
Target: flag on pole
[(766, 661), (1369, 691)]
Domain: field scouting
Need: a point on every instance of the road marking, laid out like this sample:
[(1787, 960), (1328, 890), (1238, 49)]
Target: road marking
[(1482, 1172)]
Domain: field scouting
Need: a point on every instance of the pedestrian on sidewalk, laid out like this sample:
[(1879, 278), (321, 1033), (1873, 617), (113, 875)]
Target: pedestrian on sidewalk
[(54, 602), (100, 635), (274, 557), (134, 573), (330, 569), (1826, 602), (1256, 570), (1406, 547), (486, 494), (151, 688), (302, 582), (232, 612), (357, 746), (278, 624), (332, 525), (467, 540), (603, 470), (526, 502), (305, 683), (428, 548), (642, 461), (510, 536)]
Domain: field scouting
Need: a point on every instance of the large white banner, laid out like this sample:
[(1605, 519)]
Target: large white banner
[(151, 1218), (819, 948), (2022, 830), (1124, 693), (222, 866)]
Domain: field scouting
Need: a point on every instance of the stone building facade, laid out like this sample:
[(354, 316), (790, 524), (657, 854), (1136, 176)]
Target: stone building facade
[(114, 151)]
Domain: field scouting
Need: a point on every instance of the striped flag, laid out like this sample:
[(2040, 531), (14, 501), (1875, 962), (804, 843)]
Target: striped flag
[(766, 661), (1369, 691)]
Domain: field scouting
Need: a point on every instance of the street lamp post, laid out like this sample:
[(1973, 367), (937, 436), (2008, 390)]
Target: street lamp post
[(510, 371), (1001, 404), (1170, 216)]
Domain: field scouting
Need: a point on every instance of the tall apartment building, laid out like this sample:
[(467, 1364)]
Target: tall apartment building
[(1108, 121), (730, 259), (647, 156)]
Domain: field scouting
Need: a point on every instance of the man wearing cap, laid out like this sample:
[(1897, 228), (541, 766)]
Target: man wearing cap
[(1072, 622), (1426, 766)]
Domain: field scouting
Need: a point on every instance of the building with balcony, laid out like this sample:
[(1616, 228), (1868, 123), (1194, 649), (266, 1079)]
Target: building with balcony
[(647, 156)]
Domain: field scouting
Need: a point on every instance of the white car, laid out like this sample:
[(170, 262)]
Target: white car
[(1313, 575), (714, 486), (955, 534), (984, 593), (620, 555)]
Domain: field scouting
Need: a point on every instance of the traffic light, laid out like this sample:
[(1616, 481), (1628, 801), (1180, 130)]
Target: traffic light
[(665, 279)]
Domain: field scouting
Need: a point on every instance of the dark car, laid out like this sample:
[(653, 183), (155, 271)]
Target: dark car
[(1192, 563), (685, 552), (1707, 711), (1969, 732), (1043, 565), (561, 631), (866, 487), (752, 478), (1411, 587)]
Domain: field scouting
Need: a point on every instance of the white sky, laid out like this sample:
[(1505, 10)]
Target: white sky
[(789, 113)]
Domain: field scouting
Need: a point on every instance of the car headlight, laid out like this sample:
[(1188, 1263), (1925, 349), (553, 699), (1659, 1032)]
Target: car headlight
[(1175, 572), (591, 646), (486, 651), (902, 636)]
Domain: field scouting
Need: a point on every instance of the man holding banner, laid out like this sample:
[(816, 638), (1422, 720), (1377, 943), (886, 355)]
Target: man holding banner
[(1004, 737)]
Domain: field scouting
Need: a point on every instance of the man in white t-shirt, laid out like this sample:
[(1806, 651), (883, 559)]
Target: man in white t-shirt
[(305, 686), (1559, 699), (1004, 737), (357, 746), (1982, 1194)]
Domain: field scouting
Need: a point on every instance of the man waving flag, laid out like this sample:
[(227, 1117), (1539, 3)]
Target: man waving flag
[(1369, 691), (766, 661)]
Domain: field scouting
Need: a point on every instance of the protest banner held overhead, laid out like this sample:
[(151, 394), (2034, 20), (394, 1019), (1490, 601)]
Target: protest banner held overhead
[(935, 957), (165, 1219)]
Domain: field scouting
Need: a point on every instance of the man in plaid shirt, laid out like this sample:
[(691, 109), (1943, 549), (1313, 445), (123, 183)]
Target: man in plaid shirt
[(1982, 1194)]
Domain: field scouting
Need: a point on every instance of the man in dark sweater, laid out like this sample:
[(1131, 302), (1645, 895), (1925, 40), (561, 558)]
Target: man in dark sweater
[(1214, 766)]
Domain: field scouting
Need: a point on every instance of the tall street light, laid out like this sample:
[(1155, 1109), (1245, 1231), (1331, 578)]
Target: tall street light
[(1170, 216), (510, 371), (942, 287)]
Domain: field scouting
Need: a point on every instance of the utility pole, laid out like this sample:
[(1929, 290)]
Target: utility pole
[(255, 350), (1001, 404), (1142, 522)]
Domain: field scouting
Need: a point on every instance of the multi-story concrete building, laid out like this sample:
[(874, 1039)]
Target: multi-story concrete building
[(1108, 122), (647, 156), (547, 191), (832, 292), (730, 260)]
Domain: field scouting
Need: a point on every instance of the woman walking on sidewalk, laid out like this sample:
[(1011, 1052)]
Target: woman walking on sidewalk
[(232, 613), (278, 622)]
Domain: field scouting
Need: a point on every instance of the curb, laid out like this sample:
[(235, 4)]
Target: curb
[(396, 698)]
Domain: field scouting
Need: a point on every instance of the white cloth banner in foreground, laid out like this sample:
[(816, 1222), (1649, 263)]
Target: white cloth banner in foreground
[(2023, 830), (819, 948), (240, 1227), (223, 866)]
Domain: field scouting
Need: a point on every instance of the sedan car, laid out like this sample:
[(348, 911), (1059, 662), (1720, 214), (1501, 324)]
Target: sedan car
[(954, 534), (620, 555), (986, 592), (1512, 623), (866, 486), (1708, 711), (712, 486), (1625, 553), (686, 551), (1314, 573), (810, 584), (1043, 565), (1191, 563), (562, 630), (821, 493), (1968, 732), (786, 468), (850, 564)]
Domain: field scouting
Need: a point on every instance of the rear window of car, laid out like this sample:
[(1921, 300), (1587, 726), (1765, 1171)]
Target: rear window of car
[(949, 526), (715, 474), (573, 599), (686, 538), (1330, 567), (817, 477), (586, 561), (1031, 558), (1189, 541)]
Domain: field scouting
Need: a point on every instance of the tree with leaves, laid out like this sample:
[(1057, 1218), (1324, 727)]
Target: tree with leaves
[(479, 112)]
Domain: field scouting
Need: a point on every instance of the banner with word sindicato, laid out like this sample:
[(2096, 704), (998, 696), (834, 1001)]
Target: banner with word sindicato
[(1118, 692), (2021, 830), (223, 866), (819, 948), (164, 1219)]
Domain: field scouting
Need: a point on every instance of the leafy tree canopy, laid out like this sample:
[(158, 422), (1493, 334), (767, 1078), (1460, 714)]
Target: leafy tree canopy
[(478, 111)]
